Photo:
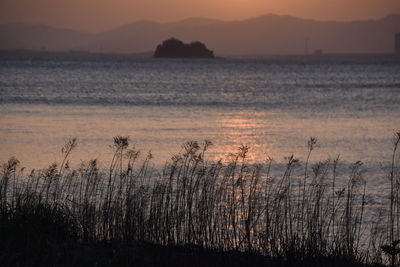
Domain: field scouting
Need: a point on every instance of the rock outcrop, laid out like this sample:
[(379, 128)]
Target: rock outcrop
[(174, 48)]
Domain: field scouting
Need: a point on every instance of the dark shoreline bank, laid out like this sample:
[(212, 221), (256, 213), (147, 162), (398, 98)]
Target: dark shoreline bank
[(81, 55), (126, 254)]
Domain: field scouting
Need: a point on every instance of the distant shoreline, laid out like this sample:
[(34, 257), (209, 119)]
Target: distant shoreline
[(149, 55)]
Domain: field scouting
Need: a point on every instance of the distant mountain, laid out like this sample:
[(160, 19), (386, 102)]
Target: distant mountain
[(194, 22), (41, 37), (265, 35)]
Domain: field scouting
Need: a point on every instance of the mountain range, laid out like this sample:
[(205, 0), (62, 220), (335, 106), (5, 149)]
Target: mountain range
[(265, 35)]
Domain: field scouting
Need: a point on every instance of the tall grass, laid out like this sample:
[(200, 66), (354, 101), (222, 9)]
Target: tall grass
[(303, 213)]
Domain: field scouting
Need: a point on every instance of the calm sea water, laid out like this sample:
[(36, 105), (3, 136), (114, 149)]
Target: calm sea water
[(273, 107)]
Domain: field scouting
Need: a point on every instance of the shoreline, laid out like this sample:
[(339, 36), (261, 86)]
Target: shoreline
[(329, 57)]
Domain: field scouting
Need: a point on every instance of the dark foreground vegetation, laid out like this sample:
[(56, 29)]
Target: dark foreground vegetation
[(194, 212)]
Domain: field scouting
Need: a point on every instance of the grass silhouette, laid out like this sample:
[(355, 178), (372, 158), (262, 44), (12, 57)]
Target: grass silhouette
[(192, 212)]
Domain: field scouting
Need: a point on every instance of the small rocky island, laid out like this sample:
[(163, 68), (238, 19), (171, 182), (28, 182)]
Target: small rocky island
[(174, 48)]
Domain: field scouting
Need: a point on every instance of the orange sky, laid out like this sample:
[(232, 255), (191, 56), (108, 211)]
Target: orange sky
[(98, 15)]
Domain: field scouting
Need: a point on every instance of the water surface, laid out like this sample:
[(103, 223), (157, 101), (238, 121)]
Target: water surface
[(273, 107)]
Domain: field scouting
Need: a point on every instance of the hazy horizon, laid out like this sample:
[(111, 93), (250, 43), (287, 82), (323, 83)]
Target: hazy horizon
[(107, 14)]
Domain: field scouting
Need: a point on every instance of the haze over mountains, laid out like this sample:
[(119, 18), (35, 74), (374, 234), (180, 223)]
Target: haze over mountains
[(265, 35)]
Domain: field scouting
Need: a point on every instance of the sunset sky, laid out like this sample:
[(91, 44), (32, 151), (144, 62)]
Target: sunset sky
[(98, 15)]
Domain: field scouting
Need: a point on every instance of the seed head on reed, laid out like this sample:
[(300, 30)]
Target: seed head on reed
[(69, 146), (121, 142), (312, 143)]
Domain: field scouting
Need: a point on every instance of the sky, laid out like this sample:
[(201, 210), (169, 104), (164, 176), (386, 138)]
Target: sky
[(99, 15)]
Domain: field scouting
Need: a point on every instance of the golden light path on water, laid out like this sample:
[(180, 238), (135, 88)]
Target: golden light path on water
[(35, 133)]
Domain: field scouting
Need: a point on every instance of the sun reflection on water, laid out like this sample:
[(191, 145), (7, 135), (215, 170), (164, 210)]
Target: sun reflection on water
[(243, 129)]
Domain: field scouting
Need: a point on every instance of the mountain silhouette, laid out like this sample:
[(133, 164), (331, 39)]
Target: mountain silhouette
[(265, 35), (39, 37)]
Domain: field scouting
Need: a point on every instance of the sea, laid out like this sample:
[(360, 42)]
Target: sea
[(271, 106)]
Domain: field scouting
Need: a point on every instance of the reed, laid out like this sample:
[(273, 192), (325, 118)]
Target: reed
[(304, 213)]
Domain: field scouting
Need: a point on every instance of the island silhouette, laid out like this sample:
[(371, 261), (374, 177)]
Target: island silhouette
[(174, 48)]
